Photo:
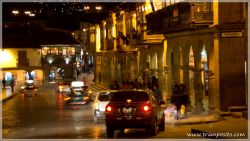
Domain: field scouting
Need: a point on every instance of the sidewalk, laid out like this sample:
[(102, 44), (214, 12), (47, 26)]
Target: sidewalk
[(6, 92), (192, 118)]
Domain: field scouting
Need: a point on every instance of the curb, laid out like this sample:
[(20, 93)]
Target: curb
[(194, 120), (9, 97)]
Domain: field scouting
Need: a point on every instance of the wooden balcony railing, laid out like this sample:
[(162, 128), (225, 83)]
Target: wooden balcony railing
[(180, 16)]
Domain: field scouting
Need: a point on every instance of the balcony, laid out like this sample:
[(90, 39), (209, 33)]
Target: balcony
[(57, 59), (22, 62), (179, 17)]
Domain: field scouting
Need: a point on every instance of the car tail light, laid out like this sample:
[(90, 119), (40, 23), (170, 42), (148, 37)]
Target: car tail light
[(60, 88), (147, 108), (108, 108), (85, 98)]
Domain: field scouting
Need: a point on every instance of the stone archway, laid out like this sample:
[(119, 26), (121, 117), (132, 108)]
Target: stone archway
[(38, 76)]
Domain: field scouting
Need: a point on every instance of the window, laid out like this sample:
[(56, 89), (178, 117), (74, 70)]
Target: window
[(92, 38), (103, 96), (54, 51), (123, 96), (45, 51)]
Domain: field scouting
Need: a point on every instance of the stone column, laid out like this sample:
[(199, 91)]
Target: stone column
[(168, 73), (131, 66), (160, 51), (176, 63), (197, 81), (213, 82), (186, 77)]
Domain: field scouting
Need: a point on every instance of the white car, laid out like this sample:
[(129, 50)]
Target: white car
[(77, 85), (100, 102)]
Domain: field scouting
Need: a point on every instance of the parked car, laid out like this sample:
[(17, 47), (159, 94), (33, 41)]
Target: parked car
[(29, 88), (134, 109), (77, 97), (100, 102)]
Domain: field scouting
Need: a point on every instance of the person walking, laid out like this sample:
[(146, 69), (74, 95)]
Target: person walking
[(12, 84), (157, 93), (4, 82), (84, 80)]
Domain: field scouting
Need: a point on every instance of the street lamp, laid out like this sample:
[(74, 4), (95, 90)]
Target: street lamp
[(67, 59), (15, 12), (27, 12), (86, 7), (98, 8)]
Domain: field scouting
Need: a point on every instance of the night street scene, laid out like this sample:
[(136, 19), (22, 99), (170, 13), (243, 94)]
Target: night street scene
[(150, 69)]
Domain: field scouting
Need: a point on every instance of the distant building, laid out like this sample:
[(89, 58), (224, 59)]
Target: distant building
[(31, 51)]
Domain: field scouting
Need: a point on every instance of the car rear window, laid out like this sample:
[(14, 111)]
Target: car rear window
[(103, 96), (78, 93), (135, 96)]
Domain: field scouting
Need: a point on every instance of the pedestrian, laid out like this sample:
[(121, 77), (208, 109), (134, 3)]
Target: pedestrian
[(4, 82), (116, 85), (154, 81), (112, 85), (124, 85), (180, 99), (84, 80), (12, 84), (157, 93)]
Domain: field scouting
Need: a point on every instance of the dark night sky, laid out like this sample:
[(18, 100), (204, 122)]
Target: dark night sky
[(58, 15)]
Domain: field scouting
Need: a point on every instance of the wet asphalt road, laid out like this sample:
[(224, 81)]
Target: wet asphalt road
[(45, 116)]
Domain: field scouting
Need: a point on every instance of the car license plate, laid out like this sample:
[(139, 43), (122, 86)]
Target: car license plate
[(77, 98), (127, 111), (128, 117)]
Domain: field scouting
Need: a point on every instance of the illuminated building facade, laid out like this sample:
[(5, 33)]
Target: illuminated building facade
[(61, 57), (204, 40), (48, 55), (179, 42)]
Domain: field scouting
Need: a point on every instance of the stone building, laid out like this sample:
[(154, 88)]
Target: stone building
[(206, 50), (36, 52), (202, 45)]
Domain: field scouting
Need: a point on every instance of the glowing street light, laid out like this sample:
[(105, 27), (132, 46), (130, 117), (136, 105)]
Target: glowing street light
[(15, 12), (98, 8), (32, 15), (86, 7), (27, 12), (67, 59)]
